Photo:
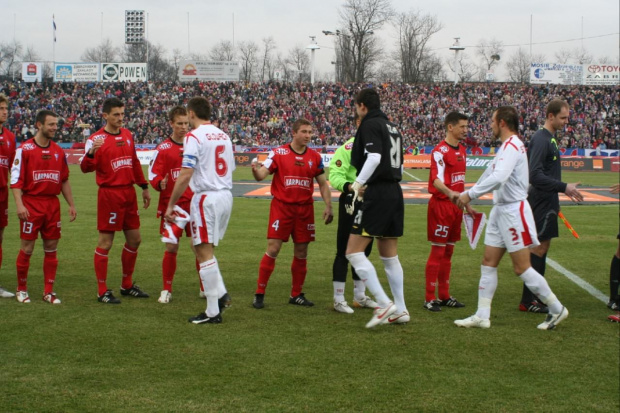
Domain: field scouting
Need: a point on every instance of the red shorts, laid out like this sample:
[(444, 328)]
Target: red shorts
[(117, 209), (44, 217), (294, 220), (4, 207), (443, 221)]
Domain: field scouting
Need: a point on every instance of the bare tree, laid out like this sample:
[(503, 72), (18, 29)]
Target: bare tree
[(282, 64), (9, 54), (105, 52), (358, 47), (30, 54), (248, 56), (519, 66), (223, 51), (414, 31), (269, 45), (158, 66), (465, 68), (299, 60), (606, 60), (581, 56), (562, 56), (490, 52)]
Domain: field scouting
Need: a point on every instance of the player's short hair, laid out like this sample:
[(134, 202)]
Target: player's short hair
[(509, 115), (4, 99), (176, 111), (42, 115), (299, 123), (200, 106), (555, 106), (453, 118), (369, 97), (112, 103)]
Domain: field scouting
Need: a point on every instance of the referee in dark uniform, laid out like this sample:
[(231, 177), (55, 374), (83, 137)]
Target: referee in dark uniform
[(378, 156), (545, 185)]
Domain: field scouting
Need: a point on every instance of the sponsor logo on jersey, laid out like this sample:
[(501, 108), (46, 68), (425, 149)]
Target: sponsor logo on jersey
[(46, 176), (299, 163), (443, 149), (281, 151), (165, 145), (4, 161), (28, 147), (348, 146), (123, 162), (297, 182), (97, 137), (299, 158), (458, 177), (46, 157)]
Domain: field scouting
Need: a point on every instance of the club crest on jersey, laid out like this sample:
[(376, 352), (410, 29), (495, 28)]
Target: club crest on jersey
[(310, 164), (281, 151), (121, 163), (297, 182), (46, 176), (338, 163), (56, 156)]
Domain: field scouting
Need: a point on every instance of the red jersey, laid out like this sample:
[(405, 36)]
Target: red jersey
[(167, 160), (448, 164), (293, 174), (39, 171), (7, 154), (116, 162)]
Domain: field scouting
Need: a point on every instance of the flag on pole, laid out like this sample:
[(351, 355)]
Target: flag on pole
[(54, 24)]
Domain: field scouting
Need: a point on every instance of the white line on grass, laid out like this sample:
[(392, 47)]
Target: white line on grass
[(577, 280), (413, 176)]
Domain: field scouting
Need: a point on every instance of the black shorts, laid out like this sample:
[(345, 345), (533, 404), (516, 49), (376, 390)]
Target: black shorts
[(382, 214), (546, 217)]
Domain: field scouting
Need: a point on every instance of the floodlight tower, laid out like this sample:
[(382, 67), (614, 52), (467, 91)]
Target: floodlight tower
[(312, 46), (456, 47)]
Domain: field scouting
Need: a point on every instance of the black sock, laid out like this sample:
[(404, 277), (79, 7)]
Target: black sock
[(538, 264), (614, 279)]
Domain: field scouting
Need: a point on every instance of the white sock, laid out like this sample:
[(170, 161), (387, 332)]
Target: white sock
[(221, 288), (540, 287), (359, 290), (394, 272), (486, 291), (208, 274), (338, 291), (367, 273)]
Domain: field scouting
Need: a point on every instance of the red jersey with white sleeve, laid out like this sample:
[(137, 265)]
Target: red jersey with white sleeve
[(293, 174), (167, 161), (7, 154), (448, 164), (39, 171), (208, 150), (115, 162), (507, 176)]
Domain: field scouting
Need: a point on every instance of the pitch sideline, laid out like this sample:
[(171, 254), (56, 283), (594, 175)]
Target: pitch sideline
[(578, 280)]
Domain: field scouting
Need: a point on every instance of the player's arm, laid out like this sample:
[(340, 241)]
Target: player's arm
[(157, 178), (17, 183), (68, 195), (22, 211), (89, 163), (500, 174), (326, 194), (259, 171), (338, 168), (180, 186), (138, 175)]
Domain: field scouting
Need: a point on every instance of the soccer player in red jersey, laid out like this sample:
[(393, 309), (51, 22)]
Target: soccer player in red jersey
[(111, 153), (38, 175), (294, 167), (445, 183), (164, 170), (7, 154)]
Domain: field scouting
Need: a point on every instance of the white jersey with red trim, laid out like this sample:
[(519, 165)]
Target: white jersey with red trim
[(208, 150), (507, 176)]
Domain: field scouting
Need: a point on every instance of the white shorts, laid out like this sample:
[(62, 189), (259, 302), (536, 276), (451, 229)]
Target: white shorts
[(209, 215), (511, 226)]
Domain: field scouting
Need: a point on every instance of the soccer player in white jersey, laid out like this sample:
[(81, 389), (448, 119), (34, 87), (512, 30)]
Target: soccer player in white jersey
[(208, 164), (511, 224)]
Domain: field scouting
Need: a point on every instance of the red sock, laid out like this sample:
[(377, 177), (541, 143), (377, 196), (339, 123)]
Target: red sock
[(299, 271), (128, 264), (199, 280), (101, 270), (444, 273), (432, 270), (168, 268), (50, 265), (267, 264), (22, 264), (0, 255)]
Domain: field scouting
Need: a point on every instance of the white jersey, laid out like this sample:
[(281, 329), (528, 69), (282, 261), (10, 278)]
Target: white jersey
[(507, 176), (208, 150)]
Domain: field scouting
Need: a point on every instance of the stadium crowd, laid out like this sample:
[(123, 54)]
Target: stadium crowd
[(260, 114)]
